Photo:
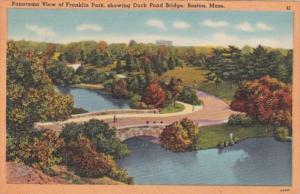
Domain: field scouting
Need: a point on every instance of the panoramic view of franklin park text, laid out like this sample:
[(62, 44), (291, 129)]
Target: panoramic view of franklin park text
[(149, 97)]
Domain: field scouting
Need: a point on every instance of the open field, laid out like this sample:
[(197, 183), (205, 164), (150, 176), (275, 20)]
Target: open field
[(225, 92), (211, 136), (191, 76)]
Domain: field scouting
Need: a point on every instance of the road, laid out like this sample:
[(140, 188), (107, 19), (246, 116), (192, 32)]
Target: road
[(214, 111)]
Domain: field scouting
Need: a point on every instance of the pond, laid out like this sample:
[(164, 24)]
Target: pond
[(256, 161), (92, 100)]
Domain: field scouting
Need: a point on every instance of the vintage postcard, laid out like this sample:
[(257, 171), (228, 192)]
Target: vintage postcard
[(149, 96)]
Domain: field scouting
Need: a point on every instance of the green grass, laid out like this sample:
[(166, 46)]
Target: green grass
[(225, 92), (88, 86), (211, 136), (191, 76), (171, 109)]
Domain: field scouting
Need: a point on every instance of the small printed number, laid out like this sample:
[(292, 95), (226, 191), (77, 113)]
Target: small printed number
[(288, 7), (284, 190)]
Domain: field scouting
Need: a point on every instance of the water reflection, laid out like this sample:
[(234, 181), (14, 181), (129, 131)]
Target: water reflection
[(261, 161), (92, 100)]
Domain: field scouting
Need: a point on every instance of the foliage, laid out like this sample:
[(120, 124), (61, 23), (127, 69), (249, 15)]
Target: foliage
[(180, 136), (266, 99), (234, 66), (39, 149), (80, 154), (189, 96), (282, 134), (171, 108), (60, 73), (175, 88), (99, 133), (240, 120), (78, 110), (154, 95), (120, 88), (31, 96)]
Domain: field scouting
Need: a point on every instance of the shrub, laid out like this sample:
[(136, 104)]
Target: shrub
[(189, 96), (99, 133), (180, 136), (137, 103), (39, 149), (282, 134), (78, 110), (80, 154), (240, 119)]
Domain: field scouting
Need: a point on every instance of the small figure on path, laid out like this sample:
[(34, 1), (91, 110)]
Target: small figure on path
[(115, 118)]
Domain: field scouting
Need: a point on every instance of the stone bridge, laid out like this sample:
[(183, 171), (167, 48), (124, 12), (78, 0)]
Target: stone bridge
[(132, 123)]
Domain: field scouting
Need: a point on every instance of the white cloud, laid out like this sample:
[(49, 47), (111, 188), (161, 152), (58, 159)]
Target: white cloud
[(40, 31), (263, 26), (89, 27), (245, 26), (181, 25), (214, 24), (156, 24), (216, 39)]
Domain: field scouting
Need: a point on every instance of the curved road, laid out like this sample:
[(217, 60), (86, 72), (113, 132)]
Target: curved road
[(214, 111)]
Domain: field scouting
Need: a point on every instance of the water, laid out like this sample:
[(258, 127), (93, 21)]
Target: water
[(257, 161), (91, 100)]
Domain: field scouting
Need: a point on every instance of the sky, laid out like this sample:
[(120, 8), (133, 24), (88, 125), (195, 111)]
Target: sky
[(184, 28)]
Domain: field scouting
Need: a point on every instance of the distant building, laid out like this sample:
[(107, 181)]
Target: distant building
[(164, 43), (74, 66)]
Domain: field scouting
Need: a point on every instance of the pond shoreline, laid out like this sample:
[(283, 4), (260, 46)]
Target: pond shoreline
[(249, 162)]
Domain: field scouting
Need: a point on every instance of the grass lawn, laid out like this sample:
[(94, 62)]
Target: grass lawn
[(224, 92), (171, 109), (88, 86), (211, 136), (191, 76)]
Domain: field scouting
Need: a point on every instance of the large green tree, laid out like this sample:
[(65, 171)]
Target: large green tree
[(31, 96)]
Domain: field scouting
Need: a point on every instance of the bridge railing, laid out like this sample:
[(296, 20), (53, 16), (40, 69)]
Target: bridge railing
[(116, 111)]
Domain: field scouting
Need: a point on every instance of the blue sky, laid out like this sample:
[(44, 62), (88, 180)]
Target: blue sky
[(183, 28)]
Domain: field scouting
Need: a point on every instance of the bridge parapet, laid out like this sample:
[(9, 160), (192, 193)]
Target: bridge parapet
[(116, 111)]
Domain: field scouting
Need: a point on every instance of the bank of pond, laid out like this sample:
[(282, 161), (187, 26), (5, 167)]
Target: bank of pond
[(255, 157)]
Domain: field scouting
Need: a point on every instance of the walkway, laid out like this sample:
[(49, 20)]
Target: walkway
[(214, 111)]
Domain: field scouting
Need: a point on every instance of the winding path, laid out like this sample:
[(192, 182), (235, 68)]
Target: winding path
[(214, 111)]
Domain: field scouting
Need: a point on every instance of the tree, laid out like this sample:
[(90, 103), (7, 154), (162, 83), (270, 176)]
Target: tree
[(266, 100), (60, 73), (175, 88), (180, 136), (120, 88), (39, 149), (31, 96), (188, 95), (100, 134), (154, 95)]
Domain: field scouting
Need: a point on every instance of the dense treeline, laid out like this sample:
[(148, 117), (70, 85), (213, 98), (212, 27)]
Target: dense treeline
[(31, 97), (230, 64)]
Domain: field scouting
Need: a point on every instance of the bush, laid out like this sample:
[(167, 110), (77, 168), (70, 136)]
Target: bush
[(99, 133), (282, 134), (240, 119), (39, 149), (189, 96), (78, 110), (81, 155), (137, 103), (180, 136)]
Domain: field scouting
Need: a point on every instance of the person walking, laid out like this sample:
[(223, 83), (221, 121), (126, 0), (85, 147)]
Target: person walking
[(115, 118)]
